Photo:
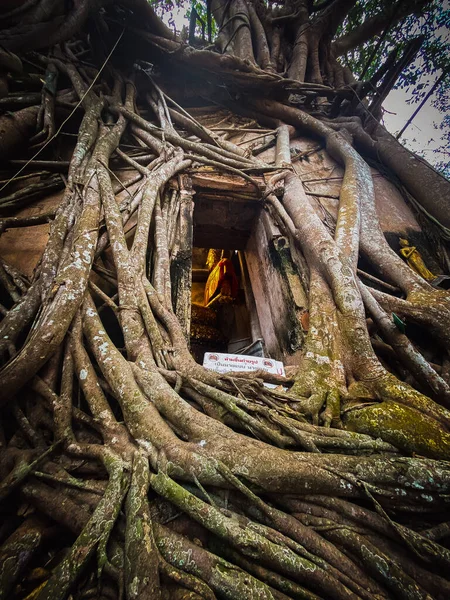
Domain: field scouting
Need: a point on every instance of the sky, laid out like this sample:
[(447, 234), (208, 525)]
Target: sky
[(421, 136)]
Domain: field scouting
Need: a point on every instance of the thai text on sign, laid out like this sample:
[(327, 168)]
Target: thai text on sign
[(223, 363)]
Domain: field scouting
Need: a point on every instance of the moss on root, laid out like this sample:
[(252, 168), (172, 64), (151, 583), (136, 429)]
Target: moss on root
[(404, 427)]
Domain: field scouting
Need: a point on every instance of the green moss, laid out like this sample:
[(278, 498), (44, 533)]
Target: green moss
[(406, 428)]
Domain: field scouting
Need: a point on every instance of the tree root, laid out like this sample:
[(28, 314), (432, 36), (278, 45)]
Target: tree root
[(180, 480)]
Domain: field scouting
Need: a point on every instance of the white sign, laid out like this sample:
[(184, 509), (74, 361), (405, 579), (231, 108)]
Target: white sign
[(223, 363)]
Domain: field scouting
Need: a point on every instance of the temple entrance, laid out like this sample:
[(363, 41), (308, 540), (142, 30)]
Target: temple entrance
[(223, 310), (245, 295)]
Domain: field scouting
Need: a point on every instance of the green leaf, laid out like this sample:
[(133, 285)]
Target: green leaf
[(401, 325)]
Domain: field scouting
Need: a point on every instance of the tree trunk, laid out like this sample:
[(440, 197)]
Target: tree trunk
[(141, 473)]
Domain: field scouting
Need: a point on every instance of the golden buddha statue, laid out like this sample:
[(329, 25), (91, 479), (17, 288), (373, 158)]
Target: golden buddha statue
[(222, 285), (415, 260)]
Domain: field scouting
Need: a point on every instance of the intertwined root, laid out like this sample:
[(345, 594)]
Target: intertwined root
[(169, 477)]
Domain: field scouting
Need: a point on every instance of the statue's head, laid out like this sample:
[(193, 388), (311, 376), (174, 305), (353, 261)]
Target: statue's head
[(403, 242), (213, 258)]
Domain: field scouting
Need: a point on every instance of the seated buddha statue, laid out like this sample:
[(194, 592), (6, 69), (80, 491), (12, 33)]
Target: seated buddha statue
[(222, 284), (207, 333)]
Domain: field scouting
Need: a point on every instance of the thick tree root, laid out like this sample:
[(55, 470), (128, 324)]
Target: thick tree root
[(141, 473)]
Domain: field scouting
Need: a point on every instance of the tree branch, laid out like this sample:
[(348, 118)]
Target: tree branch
[(391, 14)]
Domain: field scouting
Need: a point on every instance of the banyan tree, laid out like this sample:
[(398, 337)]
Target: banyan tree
[(229, 190)]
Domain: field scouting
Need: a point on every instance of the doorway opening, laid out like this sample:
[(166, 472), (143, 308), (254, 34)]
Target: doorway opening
[(262, 314)]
